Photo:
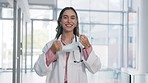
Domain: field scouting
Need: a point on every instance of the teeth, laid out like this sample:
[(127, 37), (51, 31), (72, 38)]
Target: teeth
[(68, 25)]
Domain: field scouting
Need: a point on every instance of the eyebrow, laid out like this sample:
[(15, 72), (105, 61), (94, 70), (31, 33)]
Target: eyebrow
[(71, 16)]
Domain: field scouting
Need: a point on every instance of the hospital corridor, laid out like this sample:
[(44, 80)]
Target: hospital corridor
[(116, 29)]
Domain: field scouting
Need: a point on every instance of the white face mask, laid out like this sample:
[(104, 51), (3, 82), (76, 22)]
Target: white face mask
[(70, 47)]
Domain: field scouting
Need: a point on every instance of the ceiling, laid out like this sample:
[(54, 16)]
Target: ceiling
[(42, 2), (35, 2)]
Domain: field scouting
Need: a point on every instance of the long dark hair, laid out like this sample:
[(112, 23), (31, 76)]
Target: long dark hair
[(59, 28)]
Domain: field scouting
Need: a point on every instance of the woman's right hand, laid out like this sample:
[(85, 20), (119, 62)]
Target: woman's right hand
[(56, 46)]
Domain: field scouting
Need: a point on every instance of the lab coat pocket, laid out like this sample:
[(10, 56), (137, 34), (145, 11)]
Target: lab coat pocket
[(77, 70)]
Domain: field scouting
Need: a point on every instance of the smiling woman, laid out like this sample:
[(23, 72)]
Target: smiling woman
[(50, 63), (111, 29)]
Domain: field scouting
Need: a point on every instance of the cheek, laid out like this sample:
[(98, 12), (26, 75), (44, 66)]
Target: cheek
[(62, 23), (76, 23)]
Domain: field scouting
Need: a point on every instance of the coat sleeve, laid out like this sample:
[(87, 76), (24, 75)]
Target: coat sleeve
[(40, 66), (93, 63)]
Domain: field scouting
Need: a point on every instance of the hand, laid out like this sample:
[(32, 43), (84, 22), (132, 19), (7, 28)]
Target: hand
[(84, 41), (56, 46)]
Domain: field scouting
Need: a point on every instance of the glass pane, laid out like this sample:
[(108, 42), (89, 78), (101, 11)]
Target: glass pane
[(41, 14), (99, 34), (114, 49), (98, 37), (43, 32), (115, 4), (6, 52), (99, 4), (99, 17), (132, 46), (133, 17), (85, 29), (7, 13), (132, 40), (77, 4), (99, 40), (115, 18), (28, 62), (125, 78), (63, 3), (83, 17), (125, 4)]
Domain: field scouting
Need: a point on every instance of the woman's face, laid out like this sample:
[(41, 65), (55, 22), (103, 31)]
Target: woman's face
[(69, 20)]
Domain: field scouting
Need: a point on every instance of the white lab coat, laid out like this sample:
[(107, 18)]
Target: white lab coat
[(75, 71)]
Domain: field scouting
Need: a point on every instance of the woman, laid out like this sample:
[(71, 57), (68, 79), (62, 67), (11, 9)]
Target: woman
[(65, 58)]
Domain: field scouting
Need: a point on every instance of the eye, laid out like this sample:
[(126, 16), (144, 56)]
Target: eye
[(65, 17), (73, 17)]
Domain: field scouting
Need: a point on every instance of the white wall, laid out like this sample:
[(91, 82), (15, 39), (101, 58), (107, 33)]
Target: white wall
[(143, 38), (0, 44)]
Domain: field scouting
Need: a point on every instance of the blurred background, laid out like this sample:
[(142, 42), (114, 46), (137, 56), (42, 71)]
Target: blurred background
[(111, 25)]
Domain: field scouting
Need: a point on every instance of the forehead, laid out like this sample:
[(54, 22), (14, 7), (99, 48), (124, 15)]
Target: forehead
[(69, 12)]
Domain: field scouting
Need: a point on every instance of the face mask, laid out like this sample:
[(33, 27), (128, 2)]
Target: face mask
[(70, 47)]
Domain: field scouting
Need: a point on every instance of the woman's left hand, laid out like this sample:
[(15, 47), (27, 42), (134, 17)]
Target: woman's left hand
[(84, 41)]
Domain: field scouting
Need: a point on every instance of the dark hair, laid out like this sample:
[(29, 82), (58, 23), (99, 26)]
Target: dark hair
[(59, 28)]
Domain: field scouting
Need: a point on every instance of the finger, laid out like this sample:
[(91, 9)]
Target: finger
[(81, 40), (59, 45), (56, 41), (84, 38), (81, 36)]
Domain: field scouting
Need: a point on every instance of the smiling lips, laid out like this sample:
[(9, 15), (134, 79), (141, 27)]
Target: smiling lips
[(68, 25)]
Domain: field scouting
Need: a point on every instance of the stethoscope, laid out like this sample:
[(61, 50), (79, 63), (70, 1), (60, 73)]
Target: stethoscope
[(73, 54), (75, 61), (81, 60)]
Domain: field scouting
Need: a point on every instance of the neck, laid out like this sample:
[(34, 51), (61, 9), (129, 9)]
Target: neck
[(67, 37)]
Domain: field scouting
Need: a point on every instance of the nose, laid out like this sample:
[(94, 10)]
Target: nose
[(69, 20)]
